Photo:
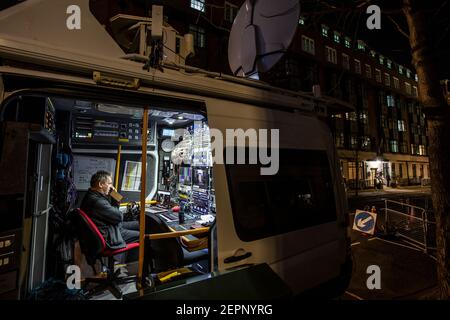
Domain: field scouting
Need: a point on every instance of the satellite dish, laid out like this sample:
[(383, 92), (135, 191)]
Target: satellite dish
[(261, 34)]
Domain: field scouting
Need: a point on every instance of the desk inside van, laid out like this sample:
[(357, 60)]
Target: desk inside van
[(190, 242)]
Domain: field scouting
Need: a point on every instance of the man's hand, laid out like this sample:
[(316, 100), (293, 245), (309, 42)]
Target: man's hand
[(111, 189)]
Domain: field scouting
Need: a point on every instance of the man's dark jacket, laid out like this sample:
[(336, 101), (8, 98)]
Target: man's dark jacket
[(104, 212)]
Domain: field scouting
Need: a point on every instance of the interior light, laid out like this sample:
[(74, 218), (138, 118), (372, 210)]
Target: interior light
[(169, 120)]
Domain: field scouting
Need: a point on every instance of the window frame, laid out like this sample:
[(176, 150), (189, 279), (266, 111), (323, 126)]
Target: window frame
[(357, 66), (309, 41), (309, 164), (331, 54)]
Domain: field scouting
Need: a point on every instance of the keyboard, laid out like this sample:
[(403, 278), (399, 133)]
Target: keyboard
[(170, 216), (156, 210)]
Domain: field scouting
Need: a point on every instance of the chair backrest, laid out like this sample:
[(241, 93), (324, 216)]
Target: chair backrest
[(167, 253), (92, 243)]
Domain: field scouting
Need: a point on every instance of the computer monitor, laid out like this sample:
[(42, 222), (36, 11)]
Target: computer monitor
[(167, 132), (200, 177)]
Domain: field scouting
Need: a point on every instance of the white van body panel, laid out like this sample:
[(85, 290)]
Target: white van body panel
[(45, 22), (292, 253)]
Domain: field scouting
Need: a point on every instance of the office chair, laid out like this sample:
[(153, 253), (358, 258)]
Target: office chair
[(94, 247), (168, 253)]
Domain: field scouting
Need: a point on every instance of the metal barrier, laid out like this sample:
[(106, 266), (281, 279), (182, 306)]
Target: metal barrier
[(411, 223)]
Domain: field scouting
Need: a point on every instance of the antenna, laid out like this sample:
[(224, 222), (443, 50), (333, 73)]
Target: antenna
[(261, 34)]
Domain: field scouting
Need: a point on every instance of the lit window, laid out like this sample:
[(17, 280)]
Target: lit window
[(198, 5), (414, 91), (390, 101), (368, 71), (324, 30), (365, 143), (301, 21), (345, 61), (389, 64), (199, 35), (394, 146), (361, 45), (416, 77), (308, 45), (400, 69), (351, 116), (381, 59), (331, 55), (401, 126), (337, 37), (396, 83), (407, 88), (373, 54), (353, 142), (347, 42), (387, 79), (357, 66), (339, 139), (230, 11), (422, 150), (378, 75), (408, 73)]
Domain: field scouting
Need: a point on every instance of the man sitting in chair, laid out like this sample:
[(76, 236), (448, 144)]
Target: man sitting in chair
[(104, 212)]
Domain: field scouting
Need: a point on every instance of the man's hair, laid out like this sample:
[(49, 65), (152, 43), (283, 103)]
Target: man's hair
[(99, 176)]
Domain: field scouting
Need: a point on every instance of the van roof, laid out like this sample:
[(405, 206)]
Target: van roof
[(35, 32)]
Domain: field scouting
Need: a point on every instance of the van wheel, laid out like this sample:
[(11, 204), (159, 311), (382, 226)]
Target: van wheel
[(334, 288)]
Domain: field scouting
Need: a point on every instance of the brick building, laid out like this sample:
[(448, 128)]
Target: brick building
[(384, 136)]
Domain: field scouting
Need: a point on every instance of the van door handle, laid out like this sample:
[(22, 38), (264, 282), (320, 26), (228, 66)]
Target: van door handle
[(237, 258)]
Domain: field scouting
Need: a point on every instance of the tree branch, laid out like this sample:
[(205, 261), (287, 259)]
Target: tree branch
[(398, 27)]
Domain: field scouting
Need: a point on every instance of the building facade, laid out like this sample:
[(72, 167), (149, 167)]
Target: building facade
[(383, 139)]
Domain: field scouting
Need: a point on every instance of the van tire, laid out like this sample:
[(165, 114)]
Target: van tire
[(334, 288)]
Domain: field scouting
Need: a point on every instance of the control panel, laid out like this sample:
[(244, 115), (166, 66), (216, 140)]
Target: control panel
[(87, 129), (9, 260), (200, 201)]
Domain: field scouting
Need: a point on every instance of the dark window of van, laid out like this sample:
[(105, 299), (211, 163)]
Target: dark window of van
[(299, 196)]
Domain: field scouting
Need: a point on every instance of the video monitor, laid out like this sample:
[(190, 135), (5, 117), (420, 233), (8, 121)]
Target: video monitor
[(167, 132), (200, 177), (185, 176)]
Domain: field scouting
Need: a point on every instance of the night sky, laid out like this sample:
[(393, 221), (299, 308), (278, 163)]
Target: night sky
[(388, 41)]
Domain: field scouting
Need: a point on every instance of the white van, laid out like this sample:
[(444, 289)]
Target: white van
[(294, 221)]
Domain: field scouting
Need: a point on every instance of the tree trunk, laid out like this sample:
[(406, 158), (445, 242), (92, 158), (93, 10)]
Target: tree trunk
[(438, 115)]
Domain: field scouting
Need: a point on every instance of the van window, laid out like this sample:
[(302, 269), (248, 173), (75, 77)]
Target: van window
[(300, 195)]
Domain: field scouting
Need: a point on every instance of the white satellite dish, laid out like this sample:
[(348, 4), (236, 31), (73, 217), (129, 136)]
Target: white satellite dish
[(261, 34)]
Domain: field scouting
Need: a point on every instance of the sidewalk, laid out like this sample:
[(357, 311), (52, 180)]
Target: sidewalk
[(390, 191)]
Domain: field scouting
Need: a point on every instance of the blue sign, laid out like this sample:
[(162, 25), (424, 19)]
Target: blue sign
[(365, 221)]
